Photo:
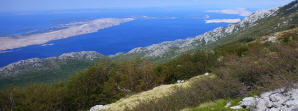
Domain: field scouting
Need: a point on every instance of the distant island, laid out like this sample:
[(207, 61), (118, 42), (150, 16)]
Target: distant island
[(71, 30)]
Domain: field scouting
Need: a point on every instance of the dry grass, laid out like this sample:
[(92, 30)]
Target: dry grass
[(281, 35), (130, 102)]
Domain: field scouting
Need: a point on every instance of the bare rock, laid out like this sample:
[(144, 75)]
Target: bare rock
[(277, 100)]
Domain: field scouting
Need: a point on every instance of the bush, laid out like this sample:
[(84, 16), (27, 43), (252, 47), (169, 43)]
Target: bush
[(263, 67), (187, 66)]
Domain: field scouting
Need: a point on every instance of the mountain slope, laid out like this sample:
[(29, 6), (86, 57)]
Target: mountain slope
[(258, 24), (262, 26), (47, 69), (165, 97)]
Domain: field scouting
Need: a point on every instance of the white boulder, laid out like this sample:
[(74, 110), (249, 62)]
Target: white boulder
[(180, 81), (271, 39)]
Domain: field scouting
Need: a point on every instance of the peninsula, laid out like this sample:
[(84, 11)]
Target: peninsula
[(69, 30)]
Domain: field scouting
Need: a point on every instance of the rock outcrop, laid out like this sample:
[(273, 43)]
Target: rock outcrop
[(277, 100)]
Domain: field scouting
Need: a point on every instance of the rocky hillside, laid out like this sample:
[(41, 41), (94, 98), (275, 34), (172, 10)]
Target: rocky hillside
[(276, 18), (183, 45), (277, 100)]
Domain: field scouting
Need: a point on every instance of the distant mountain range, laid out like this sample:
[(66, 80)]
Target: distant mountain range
[(257, 24)]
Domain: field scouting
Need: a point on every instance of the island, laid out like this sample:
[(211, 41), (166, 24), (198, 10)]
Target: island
[(69, 30)]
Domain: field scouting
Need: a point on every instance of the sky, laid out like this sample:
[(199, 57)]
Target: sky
[(40, 5)]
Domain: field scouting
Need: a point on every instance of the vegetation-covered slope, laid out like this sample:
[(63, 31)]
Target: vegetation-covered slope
[(263, 65), (47, 70)]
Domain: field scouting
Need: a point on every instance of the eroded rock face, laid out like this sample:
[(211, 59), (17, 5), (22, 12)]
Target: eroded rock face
[(277, 100)]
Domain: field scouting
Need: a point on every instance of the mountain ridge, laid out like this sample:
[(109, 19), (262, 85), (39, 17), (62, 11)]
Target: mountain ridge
[(183, 45), (37, 64)]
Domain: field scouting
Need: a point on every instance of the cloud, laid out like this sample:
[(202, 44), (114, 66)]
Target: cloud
[(238, 11), (223, 21)]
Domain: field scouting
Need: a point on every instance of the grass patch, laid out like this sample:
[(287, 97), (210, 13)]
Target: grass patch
[(218, 105)]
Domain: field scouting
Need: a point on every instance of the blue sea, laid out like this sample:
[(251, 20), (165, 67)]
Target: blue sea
[(122, 38)]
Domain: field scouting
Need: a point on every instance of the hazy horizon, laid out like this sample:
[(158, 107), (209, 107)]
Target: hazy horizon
[(52, 5)]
